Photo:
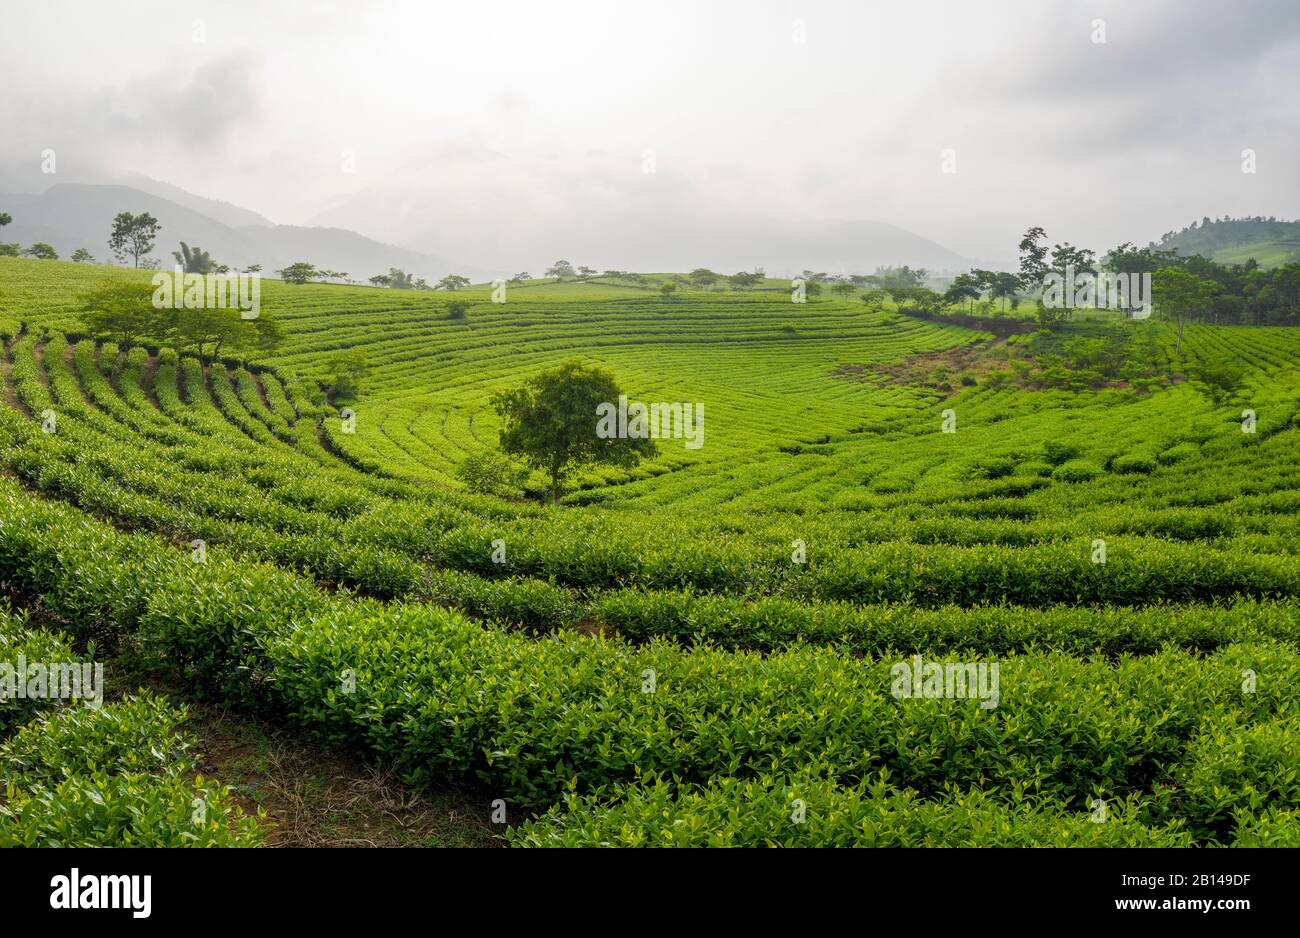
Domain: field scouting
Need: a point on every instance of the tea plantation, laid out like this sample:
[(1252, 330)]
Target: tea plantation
[(702, 649)]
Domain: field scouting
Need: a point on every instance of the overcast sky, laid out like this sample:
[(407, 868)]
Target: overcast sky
[(810, 110)]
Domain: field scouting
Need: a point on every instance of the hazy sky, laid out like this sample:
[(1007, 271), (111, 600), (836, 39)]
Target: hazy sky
[(810, 110)]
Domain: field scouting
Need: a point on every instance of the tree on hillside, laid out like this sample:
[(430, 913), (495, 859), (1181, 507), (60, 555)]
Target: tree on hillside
[(703, 277), (1127, 259), (4, 219), (133, 236), (560, 269), (964, 288), (193, 260), (887, 278), (458, 310), (210, 331), (453, 282), (1066, 257), (1004, 286), (124, 311), (42, 252), (82, 256), (12, 249), (254, 268), (299, 273), (917, 299), (586, 272), (744, 279), (395, 278), (346, 370), (1033, 261), (667, 289), (551, 421), (874, 299), (844, 289), (1180, 296), (521, 277), (997, 284)]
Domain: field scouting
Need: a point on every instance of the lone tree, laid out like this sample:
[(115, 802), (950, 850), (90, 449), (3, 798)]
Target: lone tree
[(1180, 295), (345, 370), (82, 256), (209, 331), (193, 261), (453, 282), (133, 236), (1033, 261), (550, 422), (4, 219), (561, 269), (42, 252), (301, 272), (964, 288), (124, 311)]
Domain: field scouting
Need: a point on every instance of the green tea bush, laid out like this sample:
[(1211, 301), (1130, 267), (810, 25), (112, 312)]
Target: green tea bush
[(1077, 470), (117, 776), (769, 811)]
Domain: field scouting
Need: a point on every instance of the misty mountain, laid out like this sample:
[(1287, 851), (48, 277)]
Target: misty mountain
[(73, 215), (523, 214), (218, 210)]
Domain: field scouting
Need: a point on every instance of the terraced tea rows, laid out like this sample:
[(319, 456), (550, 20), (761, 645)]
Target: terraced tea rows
[(683, 649)]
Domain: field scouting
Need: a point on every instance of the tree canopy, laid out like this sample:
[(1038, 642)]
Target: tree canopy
[(550, 422)]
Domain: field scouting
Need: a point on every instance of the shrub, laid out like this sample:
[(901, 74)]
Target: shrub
[(1177, 453), (1133, 464), (488, 472), (1076, 470), (1057, 452)]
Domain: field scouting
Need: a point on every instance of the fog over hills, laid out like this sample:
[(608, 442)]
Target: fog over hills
[(73, 215), (612, 211), (439, 238)]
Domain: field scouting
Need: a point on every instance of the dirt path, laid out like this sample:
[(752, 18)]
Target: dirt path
[(6, 373), (147, 378), (261, 392), (320, 798)]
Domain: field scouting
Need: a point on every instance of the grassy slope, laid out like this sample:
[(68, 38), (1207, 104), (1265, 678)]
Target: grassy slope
[(855, 466)]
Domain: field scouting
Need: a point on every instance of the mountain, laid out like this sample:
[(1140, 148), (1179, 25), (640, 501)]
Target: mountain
[(523, 214), (1271, 242), (73, 215), (224, 212)]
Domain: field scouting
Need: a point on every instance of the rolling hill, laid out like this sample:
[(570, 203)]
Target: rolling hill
[(1271, 242), (684, 650), (73, 215)]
